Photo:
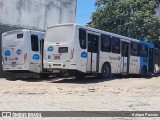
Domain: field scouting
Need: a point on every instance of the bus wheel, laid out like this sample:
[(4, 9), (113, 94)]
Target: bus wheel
[(143, 72), (44, 75), (79, 75), (106, 71), (65, 73)]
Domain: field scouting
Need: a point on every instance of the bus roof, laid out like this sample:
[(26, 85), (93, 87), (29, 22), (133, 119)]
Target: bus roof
[(19, 30), (101, 31), (147, 43), (92, 29)]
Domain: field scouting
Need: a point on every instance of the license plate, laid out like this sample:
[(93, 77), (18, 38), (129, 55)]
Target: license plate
[(56, 57), (13, 64)]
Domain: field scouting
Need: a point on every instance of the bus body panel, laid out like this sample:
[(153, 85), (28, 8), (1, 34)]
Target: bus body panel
[(13, 51), (113, 60), (17, 52), (134, 65), (59, 54)]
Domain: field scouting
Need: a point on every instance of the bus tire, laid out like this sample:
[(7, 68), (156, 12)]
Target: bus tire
[(79, 75), (106, 71), (44, 75), (65, 73), (143, 71)]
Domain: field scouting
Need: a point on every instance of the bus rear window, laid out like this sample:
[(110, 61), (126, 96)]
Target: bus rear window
[(19, 36), (63, 50)]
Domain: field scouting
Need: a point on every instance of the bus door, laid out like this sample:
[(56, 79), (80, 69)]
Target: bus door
[(41, 52), (35, 53), (151, 60), (125, 57), (93, 52)]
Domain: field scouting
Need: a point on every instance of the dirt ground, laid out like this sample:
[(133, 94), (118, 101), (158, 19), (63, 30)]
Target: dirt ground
[(90, 94)]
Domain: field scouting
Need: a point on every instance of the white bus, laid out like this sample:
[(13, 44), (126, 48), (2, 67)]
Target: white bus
[(84, 50), (22, 51)]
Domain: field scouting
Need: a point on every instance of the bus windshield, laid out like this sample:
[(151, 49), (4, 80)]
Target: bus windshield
[(59, 34)]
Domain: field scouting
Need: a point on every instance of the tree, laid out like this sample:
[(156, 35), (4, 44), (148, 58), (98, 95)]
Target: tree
[(132, 18)]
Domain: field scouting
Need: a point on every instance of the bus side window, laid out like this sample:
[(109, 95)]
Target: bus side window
[(19, 36), (82, 38), (34, 43), (124, 51), (105, 43), (134, 49), (143, 50), (115, 45), (90, 45), (95, 43)]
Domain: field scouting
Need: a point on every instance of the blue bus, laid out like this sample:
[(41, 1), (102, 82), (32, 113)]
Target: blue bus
[(147, 55)]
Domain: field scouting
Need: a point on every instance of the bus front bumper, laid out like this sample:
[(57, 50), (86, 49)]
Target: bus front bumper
[(55, 65)]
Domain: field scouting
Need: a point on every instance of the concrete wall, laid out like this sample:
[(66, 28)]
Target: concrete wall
[(37, 14)]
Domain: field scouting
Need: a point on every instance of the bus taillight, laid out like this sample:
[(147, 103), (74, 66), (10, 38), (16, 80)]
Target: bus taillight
[(25, 56), (72, 53)]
